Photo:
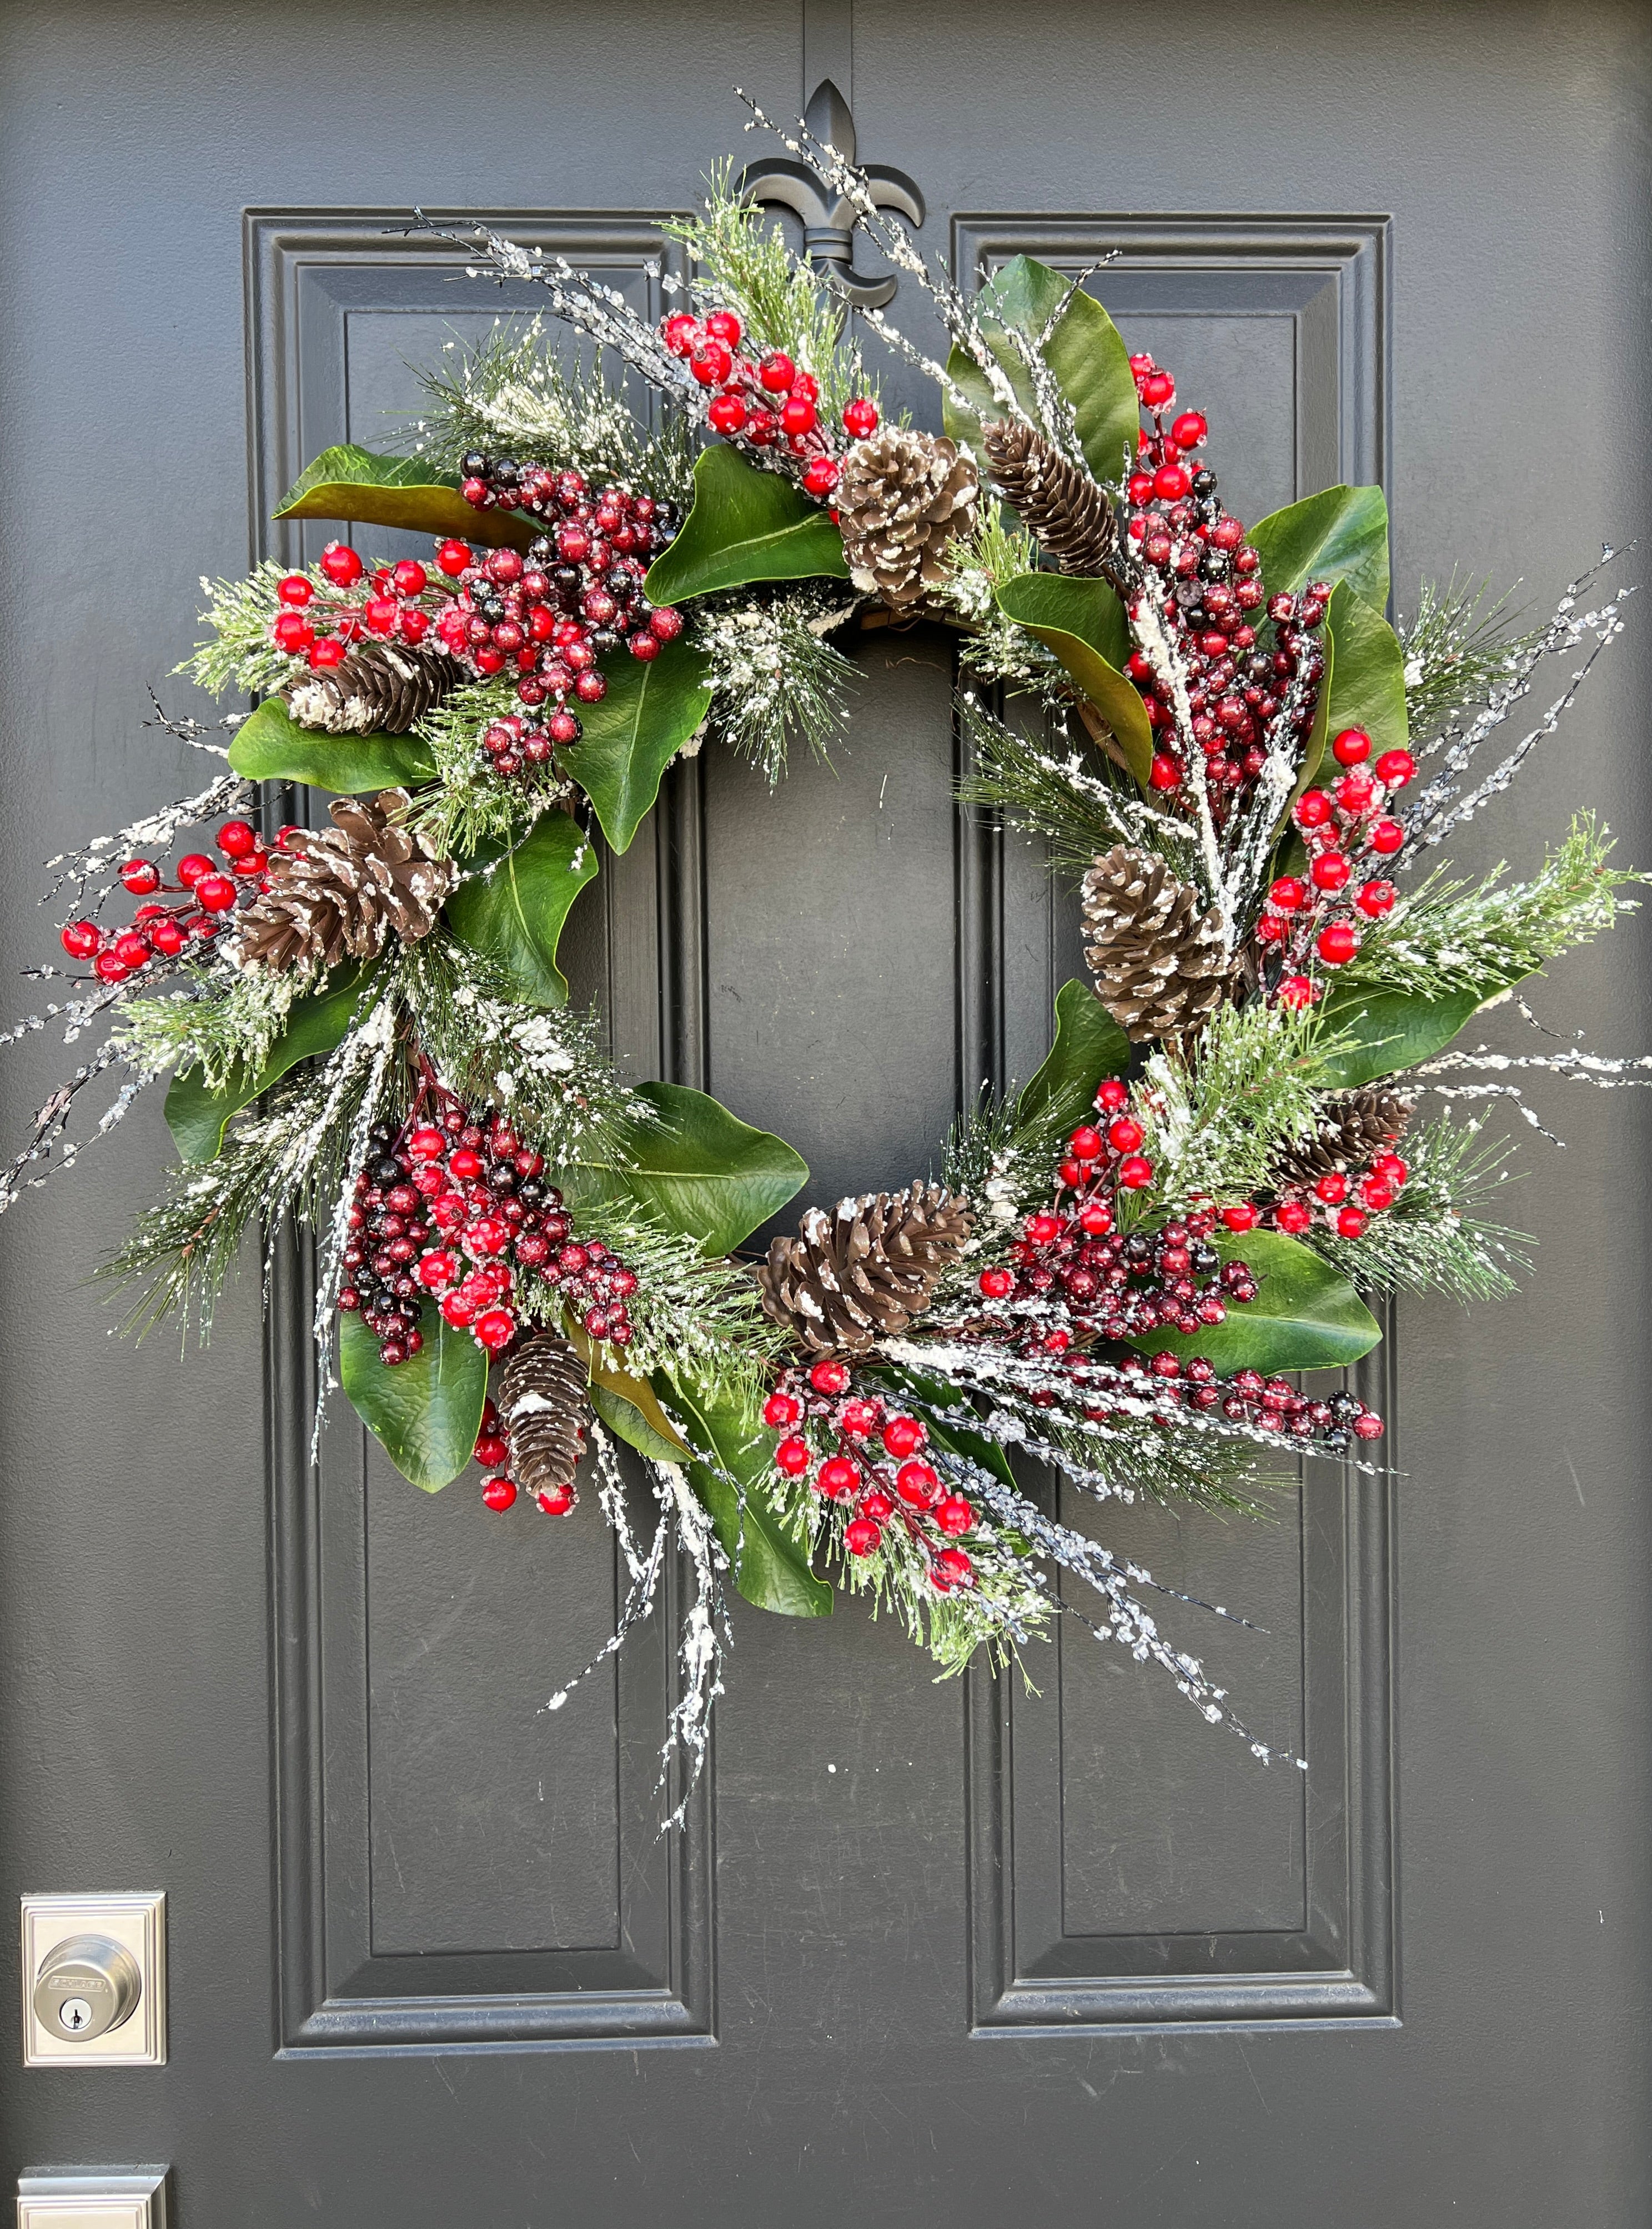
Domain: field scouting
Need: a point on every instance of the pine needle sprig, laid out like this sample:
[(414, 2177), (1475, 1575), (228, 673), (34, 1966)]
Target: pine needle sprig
[(511, 395), (470, 805), (1437, 1238), (219, 1019), (1218, 1117), (1048, 786), (1449, 936), (1457, 649), (742, 263), (774, 672)]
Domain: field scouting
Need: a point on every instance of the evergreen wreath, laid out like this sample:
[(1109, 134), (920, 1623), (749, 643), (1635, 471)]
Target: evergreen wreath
[(1115, 1271)]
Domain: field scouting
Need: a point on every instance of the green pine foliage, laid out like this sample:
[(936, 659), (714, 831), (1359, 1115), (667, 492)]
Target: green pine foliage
[(1458, 650), (1439, 1236)]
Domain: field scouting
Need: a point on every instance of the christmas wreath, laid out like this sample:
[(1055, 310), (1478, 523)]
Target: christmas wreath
[(524, 1256)]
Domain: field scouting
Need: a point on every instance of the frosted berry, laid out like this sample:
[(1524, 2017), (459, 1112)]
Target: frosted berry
[(1337, 943), (781, 1410), (861, 1536), (791, 1457), (498, 1492), (954, 1515), (860, 418), (903, 1435), (916, 1484), (341, 564), (1386, 837), (556, 1500), (1395, 769), (838, 1476), (1351, 747), (776, 372), (829, 1376)]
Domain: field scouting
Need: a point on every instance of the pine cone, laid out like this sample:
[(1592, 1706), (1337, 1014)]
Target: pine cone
[(902, 497), (342, 890), (864, 1271), (1062, 508), (544, 1406), (1159, 961), (380, 688), (1354, 1127)]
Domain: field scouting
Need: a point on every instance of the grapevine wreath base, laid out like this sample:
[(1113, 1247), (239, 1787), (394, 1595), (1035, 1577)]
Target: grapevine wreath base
[(522, 1258)]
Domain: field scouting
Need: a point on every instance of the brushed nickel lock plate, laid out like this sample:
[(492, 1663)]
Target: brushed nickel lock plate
[(134, 2199), (94, 1980)]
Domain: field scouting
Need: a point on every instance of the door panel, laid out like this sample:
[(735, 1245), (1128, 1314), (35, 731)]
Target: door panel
[(923, 1953)]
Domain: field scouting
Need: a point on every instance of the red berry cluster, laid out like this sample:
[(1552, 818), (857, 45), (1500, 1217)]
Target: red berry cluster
[(576, 596), (207, 896), (1347, 831), (764, 402), (1237, 686), (320, 626), (874, 1468), (451, 1208), (1344, 1200), (1271, 1405), (493, 1451), (1114, 1284)]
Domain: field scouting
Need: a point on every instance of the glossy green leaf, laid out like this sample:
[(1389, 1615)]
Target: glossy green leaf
[(626, 1403), (1085, 351), (745, 525), (1089, 1044), (316, 1024), (1369, 674), (1390, 1030), (425, 1412), (633, 736), (698, 1170), (1304, 1317), (1339, 535), (770, 1568), (1082, 622), (270, 746), (513, 910), (352, 484)]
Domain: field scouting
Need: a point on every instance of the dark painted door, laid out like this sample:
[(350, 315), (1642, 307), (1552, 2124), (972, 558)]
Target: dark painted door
[(924, 1954)]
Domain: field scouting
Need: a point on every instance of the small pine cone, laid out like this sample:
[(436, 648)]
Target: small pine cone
[(1158, 961), (864, 1271), (903, 497), (1354, 1129), (384, 688), (544, 1406), (341, 892), (1062, 508)]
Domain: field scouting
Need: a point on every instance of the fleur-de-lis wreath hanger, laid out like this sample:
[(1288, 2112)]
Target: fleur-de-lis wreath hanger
[(829, 224)]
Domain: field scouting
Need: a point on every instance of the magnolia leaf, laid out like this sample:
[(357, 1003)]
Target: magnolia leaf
[(1084, 622), (512, 911), (633, 734), (1367, 679), (425, 1412), (1305, 1316), (1338, 534), (745, 525), (1390, 1030), (1089, 1044), (627, 1404), (770, 1568), (1085, 350), (697, 1170), (352, 484), (270, 746), (316, 1024)]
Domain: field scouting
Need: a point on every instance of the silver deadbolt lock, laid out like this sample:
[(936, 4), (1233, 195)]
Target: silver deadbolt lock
[(87, 1985)]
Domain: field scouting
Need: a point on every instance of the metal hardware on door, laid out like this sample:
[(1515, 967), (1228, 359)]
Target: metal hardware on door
[(94, 1980), (829, 222), (132, 2199)]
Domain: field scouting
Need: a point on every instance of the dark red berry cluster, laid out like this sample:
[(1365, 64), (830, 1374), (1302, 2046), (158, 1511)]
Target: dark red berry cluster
[(1239, 686), (866, 1459), (520, 747), (1114, 1284), (576, 596), (765, 402), (321, 624), (493, 1451), (1265, 1404), (206, 896), (1346, 833), (453, 1207)]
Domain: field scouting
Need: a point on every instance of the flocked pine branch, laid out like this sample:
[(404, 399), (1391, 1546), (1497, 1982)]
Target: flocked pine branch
[(1458, 650), (1053, 788), (775, 673), (1218, 1117), (1437, 1237)]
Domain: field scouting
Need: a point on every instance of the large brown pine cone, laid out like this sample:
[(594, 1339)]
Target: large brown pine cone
[(1062, 508), (862, 1271), (1354, 1127), (383, 688), (544, 1406), (903, 497), (1157, 954), (342, 892)]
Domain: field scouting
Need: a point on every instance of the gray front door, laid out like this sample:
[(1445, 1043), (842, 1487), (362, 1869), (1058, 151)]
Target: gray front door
[(923, 1954)]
